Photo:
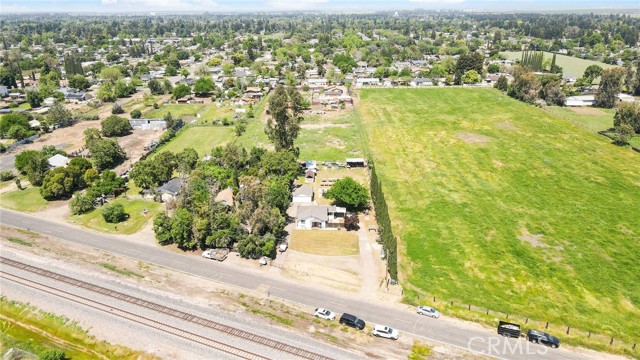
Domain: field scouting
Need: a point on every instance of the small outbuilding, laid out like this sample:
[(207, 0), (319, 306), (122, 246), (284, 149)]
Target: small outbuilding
[(58, 160), (356, 162), (303, 194), (225, 197)]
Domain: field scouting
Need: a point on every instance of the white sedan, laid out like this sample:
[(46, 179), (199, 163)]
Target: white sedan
[(325, 314), (385, 332), (428, 311)]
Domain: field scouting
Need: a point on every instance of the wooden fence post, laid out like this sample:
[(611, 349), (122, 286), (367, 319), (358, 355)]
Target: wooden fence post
[(469, 306), (507, 316), (589, 336), (568, 328), (434, 299), (611, 342), (526, 321), (634, 346), (451, 302), (487, 311)]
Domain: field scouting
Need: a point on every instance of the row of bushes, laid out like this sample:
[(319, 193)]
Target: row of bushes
[(384, 223)]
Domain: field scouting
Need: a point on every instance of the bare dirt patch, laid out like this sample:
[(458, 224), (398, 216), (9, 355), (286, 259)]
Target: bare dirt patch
[(471, 138), (133, 144), (507, 125), (68, 138), (587, 111), (332, 272), (322, 126)]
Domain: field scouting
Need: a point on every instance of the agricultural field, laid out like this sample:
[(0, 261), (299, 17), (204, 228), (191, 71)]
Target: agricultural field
[(504, 206), (201, 138), (571, 66)]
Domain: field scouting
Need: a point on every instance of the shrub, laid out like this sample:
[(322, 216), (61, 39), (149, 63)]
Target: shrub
[(136, 114), (114, 213), (53, 354), (351, 222), (117, 109), (6, 175), (81, 204)]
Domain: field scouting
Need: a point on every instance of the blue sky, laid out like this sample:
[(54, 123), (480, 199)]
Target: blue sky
[(127, 6)]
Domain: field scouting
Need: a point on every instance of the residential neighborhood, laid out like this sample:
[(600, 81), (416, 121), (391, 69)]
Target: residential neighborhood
[(391, 180)]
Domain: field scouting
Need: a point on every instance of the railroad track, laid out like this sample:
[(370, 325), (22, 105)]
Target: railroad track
[(225, 329)]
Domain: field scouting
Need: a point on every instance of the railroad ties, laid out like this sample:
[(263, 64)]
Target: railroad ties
[(229, 330)]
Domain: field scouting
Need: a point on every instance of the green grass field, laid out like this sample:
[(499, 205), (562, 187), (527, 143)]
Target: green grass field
[(504, 206), (176, 110), (328, 243), (137, 219), (331, 143), (593, 119), (571, 66), (201, 138), (27, 200)]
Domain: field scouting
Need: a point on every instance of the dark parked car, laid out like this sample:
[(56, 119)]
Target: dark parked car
[(352, 320), (540, 337), (509, 329)]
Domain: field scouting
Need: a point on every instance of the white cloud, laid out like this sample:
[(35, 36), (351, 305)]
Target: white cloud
[(162, 5), (436, 1), (294, 5)]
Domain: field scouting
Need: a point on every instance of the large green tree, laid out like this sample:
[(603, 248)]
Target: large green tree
[(115, 126), (283, 126), (349, 193), (628, 113), (106, 153), (610, 86)]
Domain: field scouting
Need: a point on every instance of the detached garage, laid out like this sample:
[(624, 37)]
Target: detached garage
[(303, 194)]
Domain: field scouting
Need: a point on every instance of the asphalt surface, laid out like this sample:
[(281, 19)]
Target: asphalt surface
[(480, 341)]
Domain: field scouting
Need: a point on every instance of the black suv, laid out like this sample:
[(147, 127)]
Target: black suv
[(540, 337), (352, 320)]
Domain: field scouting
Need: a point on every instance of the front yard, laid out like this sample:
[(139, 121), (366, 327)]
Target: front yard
[(137, 217), (325, 242)]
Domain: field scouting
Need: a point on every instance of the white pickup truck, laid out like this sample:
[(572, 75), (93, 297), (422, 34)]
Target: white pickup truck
[(216, 254)]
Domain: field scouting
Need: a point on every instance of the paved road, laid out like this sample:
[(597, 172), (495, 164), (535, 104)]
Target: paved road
[(442, 330)]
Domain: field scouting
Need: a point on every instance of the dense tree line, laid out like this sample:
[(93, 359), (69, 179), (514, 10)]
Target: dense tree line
[(385, 230)]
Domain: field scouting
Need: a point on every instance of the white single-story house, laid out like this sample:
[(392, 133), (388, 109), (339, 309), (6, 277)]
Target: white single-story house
[(317, 83), (58, 160), (421, 82), (303, 194), (580, 100), (367, 81), (319, 217), (171, 189)]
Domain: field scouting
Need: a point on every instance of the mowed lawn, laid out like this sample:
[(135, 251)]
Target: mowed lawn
[(502, 205), (325, 242), (134, 208), (201, 138)]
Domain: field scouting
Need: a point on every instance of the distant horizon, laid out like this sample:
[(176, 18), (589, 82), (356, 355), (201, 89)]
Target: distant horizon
[(167, 7)]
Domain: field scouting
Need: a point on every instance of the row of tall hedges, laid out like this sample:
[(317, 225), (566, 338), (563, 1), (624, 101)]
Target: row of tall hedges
[(384, 223)]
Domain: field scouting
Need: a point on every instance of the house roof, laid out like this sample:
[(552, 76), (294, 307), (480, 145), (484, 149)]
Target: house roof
[(304, 190), (355, 160), (58, 160), (310, 173), (319, 212), (172, 187), (225, 196)]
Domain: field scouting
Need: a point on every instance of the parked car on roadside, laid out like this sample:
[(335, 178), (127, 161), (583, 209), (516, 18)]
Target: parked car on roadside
[(216, 254), (352, 321), (283, 246), (325, 314), (264, 261), (508, 329), (428, 311), (540, 337), (385, 332)]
